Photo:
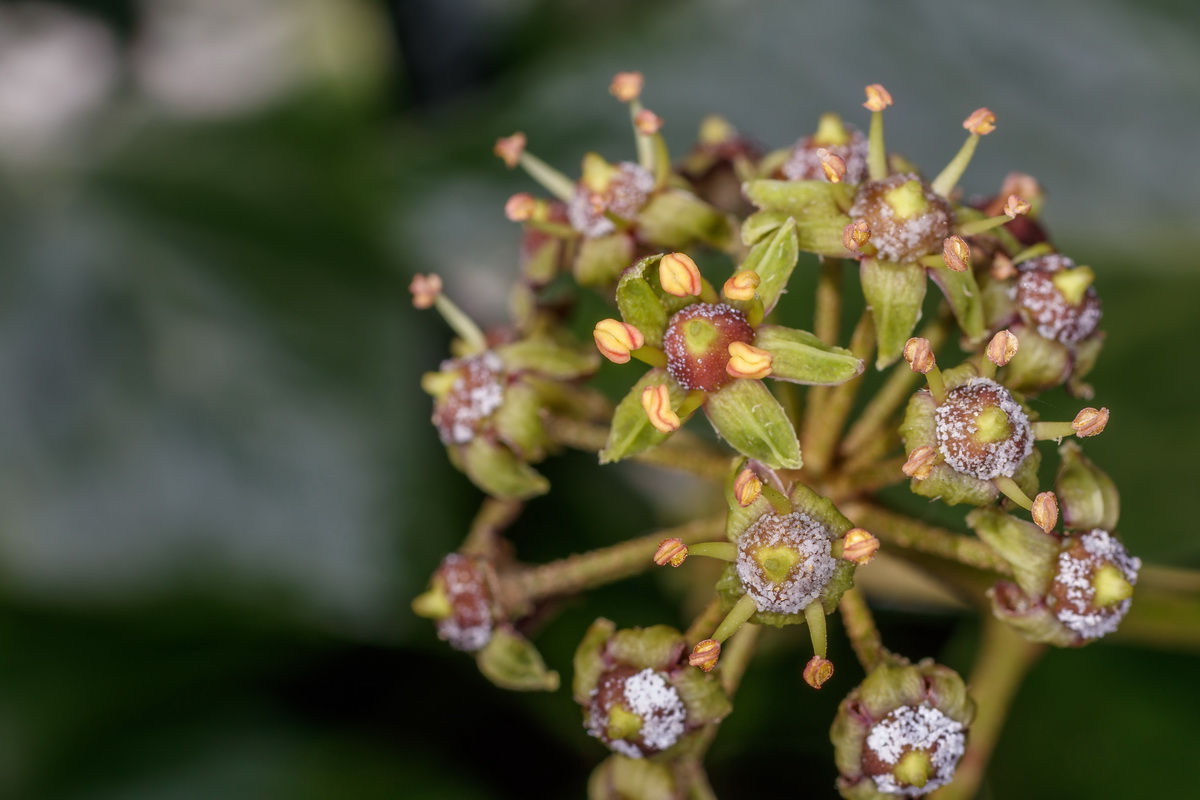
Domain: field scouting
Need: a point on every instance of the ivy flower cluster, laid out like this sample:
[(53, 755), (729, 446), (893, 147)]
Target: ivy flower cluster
[(693, 256)]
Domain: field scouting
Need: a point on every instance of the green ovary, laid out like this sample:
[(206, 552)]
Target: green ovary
[(698, 336), (914, 768), (992, 425), (1111, 586), (777, 562), (907, 200), (623, 724)]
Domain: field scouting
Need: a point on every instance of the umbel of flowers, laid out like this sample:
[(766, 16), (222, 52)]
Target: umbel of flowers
[(636, 232)]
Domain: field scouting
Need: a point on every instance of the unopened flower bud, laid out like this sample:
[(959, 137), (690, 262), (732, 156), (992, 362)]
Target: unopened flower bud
[(647, 122), (878, 98), (670, 551), (656, 401), (1090, 422), (679, 275), (855, 235), (520, 207), (1002, 347), (748, 361), (616, 339), (627, 86), (1014, 206), (510, 148), (956, 253), (859, 546), (741, 285), (919, 355), (1045, 511), (425, 290), (832, 164), (817, 671), (981, 122), (705, 654), (920, 462), (747, 487)]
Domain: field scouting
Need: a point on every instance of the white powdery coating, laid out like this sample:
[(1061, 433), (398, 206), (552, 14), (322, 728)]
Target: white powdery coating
[(474, 395), (917, 728), (800, 533), (625, 196), (657, 702), (898, 239), (469, 628), (805, 165), (1046, 308), (1074, 577), (1000, 457)]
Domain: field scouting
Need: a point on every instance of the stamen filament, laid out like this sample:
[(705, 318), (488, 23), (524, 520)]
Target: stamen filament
[(649, 354), (945, 182), (645, 144), (1013, 492), (987, 369), (707, 293), (551, 179), (694, 400), (460, 323), (778, 500), (1039, 249), (725, 551), (937, 385), (877, 167), (814, 615), (738, 616), (980, 225), (1052, 430)]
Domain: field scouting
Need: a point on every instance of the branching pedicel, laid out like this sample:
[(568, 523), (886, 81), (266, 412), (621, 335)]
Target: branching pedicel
[(789, 532)]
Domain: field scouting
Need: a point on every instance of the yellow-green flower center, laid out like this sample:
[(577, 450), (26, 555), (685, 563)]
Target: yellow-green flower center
[(907, 200), (992, 425)]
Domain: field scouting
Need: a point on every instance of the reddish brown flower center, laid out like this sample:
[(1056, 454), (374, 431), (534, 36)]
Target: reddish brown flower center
[(1053, 298), (906, 217), (697, 344), (982, 431)]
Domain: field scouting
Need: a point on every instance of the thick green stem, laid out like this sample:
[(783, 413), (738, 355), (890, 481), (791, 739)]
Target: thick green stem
[(859, 482), (493, 518), (1003, 661), (901, 531), (827, 324), (861, 630), (824, 420), (585, 571), (681, 452)]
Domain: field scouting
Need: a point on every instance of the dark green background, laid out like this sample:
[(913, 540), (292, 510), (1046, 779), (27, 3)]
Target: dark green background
[(219, 489)]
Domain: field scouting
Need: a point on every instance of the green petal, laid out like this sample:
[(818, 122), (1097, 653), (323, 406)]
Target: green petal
[(1031, 552), (674, 219), (818, 207), (965, 299), (589, 662), (1039, 363), (518, 422), (801, 357), (511, 662), (894, 293), (760, 225), (774, 259), (749, 417), (547, 358), (1087, 496), (702, 696), (631, 431), (656, 647), (496, 470), (600, 260), (642, 301), (738, 519)]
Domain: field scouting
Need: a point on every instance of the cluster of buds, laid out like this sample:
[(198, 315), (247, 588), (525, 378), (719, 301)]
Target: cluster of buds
[(645, 234)]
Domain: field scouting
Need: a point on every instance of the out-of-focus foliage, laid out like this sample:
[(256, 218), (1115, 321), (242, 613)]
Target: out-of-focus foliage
[(220, 487)]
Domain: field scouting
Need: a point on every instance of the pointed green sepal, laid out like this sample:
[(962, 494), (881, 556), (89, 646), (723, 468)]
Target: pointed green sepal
[(589, 659), (705, 700), (800, 357), (774, 259), (1030, 617), (621, 778), (675, 219), (548, 359), (1031, 552), (599, 261), (518, 422), (657, 647), (894, 293), (496, 470), (748, 416), (762, 224), (642, 301), (511, 662), (799, 199), (1087, 497), (631, 430), (965, 299)]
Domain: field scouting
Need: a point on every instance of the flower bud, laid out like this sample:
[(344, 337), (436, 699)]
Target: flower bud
[(425, 290), (855, 235), (1090, 422), (921, 461), (647, 122), (520, 207), (1045, 511), (626, 86), (656, 401), (705, 654), (748, 361), (919, 355), (956, 253), (878, 98), (817, 671), (510, 148), (859, 546), (741, 285), (747, 487), (981, 122), (1014, 206), (616, 339), (679, 276), (1088, 497), (1002, 348), (670, 551)]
